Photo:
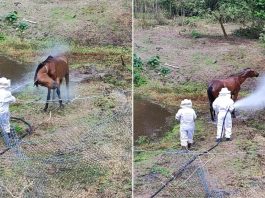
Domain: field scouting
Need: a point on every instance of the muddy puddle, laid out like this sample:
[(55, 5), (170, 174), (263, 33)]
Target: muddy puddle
[(151, 119), (19, 74)]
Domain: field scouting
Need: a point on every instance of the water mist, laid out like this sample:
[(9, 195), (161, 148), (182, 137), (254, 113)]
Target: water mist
[(255, 101)]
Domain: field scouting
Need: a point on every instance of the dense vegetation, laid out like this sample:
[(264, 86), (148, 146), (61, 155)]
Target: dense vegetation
[(250, 13)]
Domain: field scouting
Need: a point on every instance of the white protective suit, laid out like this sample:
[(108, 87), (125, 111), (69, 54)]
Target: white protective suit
[(187, 117), (221, 105), (5, 99)]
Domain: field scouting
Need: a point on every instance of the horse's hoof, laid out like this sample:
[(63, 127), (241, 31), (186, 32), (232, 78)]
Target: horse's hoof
[(44, 110), (61, 106)]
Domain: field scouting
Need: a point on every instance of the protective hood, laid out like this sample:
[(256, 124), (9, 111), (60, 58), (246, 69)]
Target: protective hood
[(225, 92), (186, 104), (4, 83)]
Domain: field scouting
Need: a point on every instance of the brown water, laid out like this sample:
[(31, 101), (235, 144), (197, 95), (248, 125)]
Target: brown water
[(151, 120), (19, 74)]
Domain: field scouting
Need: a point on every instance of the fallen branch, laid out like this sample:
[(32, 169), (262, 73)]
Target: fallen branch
[(166, 64), (29, 21)]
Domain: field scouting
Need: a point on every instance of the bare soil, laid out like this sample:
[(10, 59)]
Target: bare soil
[(85, 22)]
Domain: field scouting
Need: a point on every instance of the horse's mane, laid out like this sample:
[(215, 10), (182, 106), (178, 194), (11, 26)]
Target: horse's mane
[(41, 65), (239, 73)]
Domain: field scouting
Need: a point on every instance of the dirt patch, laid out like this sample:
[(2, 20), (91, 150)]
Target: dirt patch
[(92, 22)]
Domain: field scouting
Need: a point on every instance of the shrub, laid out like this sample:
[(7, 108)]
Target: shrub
[(137, 62), (253, 32), (164, 71), (262, 36), (138, 79), (195, 34), (11, 17), (2, 36), (22, 26), (154, 62)]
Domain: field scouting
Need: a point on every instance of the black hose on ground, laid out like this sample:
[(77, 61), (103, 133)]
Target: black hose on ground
[(180, 171)]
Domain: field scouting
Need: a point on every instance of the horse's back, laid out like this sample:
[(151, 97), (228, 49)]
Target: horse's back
[(61, 66)]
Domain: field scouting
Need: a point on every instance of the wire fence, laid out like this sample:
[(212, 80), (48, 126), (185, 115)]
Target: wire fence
[(153, 169), (67, 161)]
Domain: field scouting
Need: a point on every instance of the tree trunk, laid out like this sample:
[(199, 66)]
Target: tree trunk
[(220, 19), (222, 26)]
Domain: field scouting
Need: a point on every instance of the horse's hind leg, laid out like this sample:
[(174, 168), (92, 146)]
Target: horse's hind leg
[(67, 86), (53, 95), (59, 96), (212, 112), (47, 101)]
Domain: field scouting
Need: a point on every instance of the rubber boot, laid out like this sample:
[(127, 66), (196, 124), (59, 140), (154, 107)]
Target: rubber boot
[(7, 139), (218, 140), (184, 148), (189, 145)]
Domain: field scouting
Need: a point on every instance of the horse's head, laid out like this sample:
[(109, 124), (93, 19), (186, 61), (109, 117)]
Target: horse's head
[(41, 65), (251, 73)]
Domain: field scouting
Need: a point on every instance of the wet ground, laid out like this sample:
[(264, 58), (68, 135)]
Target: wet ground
[(151, 119)]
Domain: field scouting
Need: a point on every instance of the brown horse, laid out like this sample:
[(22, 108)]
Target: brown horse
[(50, 74), (232, 83)]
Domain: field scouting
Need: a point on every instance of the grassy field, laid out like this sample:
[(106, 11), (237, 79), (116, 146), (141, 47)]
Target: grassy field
[(192, 62)]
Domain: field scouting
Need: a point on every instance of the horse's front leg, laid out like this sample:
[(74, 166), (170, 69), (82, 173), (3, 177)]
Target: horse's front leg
[(47, 101)]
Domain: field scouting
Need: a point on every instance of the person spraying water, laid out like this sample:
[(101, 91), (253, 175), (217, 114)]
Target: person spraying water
[(223, 106)]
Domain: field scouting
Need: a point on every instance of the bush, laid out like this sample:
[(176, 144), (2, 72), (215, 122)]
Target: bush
[(154, 62), (262, 36), (253, 32), (137, 62), (2, 36), (195, 34), (164, 71), (22, 26), (11, 17), (138, 79)]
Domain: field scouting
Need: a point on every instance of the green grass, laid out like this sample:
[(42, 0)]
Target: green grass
[(202, 59), (26, 50), (161, 170), (81, 175), (62, 14), (193, 88), (143, 140), (143, 156)]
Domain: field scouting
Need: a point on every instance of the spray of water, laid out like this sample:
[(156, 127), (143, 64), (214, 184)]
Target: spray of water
[(55, 50), (256, 101)]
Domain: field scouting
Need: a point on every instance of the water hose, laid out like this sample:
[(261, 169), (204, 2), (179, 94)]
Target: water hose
[(180, 171)]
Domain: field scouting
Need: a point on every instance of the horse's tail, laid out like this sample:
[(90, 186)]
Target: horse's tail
[(211, 99), (210, 94)]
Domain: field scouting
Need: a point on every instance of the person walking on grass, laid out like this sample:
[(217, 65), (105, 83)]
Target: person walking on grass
[(5, 99), (223, 106), (186, 115)]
